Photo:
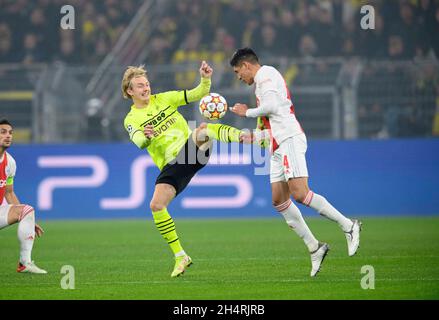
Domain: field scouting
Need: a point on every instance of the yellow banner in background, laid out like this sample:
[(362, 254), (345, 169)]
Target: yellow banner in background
[(16, 95)]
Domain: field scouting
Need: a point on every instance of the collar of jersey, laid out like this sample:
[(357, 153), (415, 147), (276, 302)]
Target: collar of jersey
[(148, 109)]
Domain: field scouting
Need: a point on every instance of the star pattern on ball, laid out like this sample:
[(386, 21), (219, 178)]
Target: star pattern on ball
[(215, 114), (216, 100)]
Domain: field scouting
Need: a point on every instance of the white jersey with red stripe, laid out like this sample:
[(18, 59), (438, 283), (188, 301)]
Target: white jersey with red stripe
[(274, 106), (7, 173)]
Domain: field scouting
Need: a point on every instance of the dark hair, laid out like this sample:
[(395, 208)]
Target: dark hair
[(4, 121), (244, 54)]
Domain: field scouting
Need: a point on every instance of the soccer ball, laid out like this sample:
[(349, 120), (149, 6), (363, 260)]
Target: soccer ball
[(213, 106)]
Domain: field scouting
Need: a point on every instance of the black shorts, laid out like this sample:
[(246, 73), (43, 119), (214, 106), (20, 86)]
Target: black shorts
[(179, 172)]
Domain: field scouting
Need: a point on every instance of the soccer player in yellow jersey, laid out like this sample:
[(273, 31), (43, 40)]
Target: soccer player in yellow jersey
[(155, 124)]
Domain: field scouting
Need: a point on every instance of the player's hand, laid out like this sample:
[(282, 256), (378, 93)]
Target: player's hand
[(262, 137), (240, 109), (205, 70), (148, 131), (38, 230), (260, 124), (246, 136)]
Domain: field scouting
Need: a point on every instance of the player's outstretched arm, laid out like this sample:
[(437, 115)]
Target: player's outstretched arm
[(265, 108), (203, 88)]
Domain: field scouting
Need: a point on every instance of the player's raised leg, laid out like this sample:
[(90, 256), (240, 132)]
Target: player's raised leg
[(302, 194), (221, 132), (294, 219), (25, 216), (163, 194)]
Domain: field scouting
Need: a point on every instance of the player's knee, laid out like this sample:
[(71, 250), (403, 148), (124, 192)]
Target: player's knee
[(26, 210), (17, 213), (14, 214), (201, 134), (277, 201), (156, 206), (299, 196)]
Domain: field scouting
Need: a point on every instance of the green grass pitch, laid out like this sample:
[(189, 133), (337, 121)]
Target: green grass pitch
[(233, 259)]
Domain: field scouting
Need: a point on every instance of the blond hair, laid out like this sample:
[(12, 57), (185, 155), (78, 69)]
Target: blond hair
[(130, 73)]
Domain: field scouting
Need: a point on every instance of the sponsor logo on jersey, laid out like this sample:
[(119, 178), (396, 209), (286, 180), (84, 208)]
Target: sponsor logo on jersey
[(157, 119), (164, 126), (2, 183)]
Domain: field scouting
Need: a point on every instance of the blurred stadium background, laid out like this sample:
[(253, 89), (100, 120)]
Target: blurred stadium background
[(368, 101), (63, 85), (358, 93)]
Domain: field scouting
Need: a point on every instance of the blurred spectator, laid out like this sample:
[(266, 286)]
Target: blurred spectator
[(326, 32), (268, 44), (99, 40), (32, 51), (426, 83), (426, 22), (396, 48), (324, 28), (303, 25), (376, 40), (349, 44), (288, 33), (223, 45), (184, 20), (433, 32), (158, 50), (190, 51), (41, 18), (68, 51), (6, 52), (167, 32), (408, 29), (392, 102), (232, 18), (250, 31), (307, 47), (128, 10), (101, 49), (38, 26)]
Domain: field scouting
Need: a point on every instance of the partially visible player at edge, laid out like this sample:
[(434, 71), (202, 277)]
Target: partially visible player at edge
[(288, 169), (14, 211), (154, 123)]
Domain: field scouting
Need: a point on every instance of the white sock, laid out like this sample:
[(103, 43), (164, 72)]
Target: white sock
[(294, 219), (180, 254), (26, 233), (323, 207)]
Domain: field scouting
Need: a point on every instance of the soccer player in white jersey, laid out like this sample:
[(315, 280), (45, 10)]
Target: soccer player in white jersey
[(14, 211), (288, 169)]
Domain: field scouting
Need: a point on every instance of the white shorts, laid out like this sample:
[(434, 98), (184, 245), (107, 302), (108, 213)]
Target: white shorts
[(288, 161), (4, 215)]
